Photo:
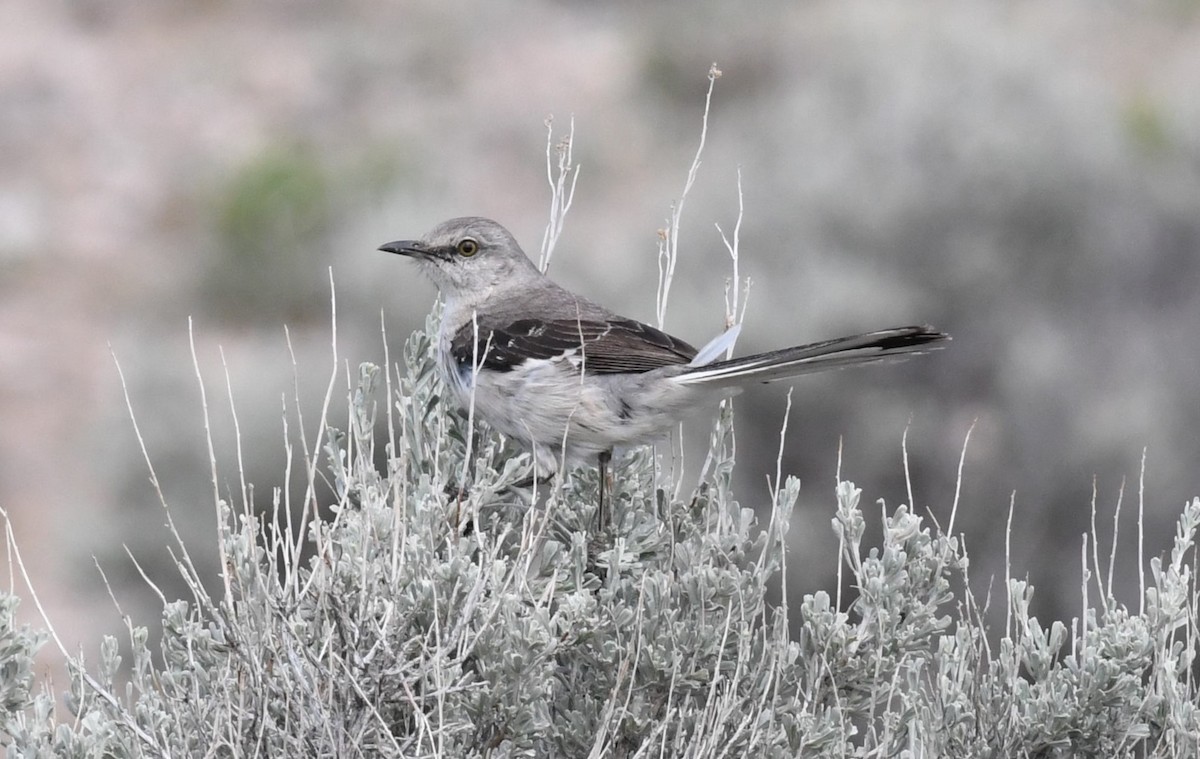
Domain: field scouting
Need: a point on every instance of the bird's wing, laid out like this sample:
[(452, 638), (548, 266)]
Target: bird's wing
[(599, 346)]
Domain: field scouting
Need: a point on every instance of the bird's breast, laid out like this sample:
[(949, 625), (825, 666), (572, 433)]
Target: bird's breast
[(460, 377)]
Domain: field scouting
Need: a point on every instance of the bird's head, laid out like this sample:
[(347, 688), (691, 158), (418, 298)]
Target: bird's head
[(468, 256)]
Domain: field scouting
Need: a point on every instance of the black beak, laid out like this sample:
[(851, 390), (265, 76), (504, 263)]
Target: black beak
[(405, 248)]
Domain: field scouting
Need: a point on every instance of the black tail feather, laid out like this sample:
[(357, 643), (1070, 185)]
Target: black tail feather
[(829, 354)]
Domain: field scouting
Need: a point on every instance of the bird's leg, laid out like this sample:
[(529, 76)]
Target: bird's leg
[(603, 516)]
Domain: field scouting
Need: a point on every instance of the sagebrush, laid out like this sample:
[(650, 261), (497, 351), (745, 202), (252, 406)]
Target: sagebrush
[(440, 612)]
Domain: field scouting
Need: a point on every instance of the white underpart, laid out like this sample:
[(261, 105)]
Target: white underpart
[(543, 402)]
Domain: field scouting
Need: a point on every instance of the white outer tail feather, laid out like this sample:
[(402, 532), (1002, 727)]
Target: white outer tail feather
[(715, 347)]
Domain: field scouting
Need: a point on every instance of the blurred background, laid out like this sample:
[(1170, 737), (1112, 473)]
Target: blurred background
[(1024, 175)]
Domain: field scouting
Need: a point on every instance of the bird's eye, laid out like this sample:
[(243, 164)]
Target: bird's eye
[(467, 247)]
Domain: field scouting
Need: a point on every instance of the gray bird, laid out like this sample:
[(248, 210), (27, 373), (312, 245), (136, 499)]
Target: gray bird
[(571, 379)]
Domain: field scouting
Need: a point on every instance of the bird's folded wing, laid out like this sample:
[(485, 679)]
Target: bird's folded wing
[(597, 346)]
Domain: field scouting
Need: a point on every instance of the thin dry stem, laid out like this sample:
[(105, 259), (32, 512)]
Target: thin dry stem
[(558, 173), (668, 248)]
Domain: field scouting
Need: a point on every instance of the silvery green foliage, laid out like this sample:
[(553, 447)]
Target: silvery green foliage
[(17, 646), (441, 613)]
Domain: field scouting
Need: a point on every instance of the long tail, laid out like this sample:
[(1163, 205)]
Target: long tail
[(816, 357)]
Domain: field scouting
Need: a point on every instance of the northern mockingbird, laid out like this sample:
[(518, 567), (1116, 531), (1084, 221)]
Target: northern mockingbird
[(569, 377)]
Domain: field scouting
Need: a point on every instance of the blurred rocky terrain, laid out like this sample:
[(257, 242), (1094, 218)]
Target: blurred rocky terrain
[(1024, 175)]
